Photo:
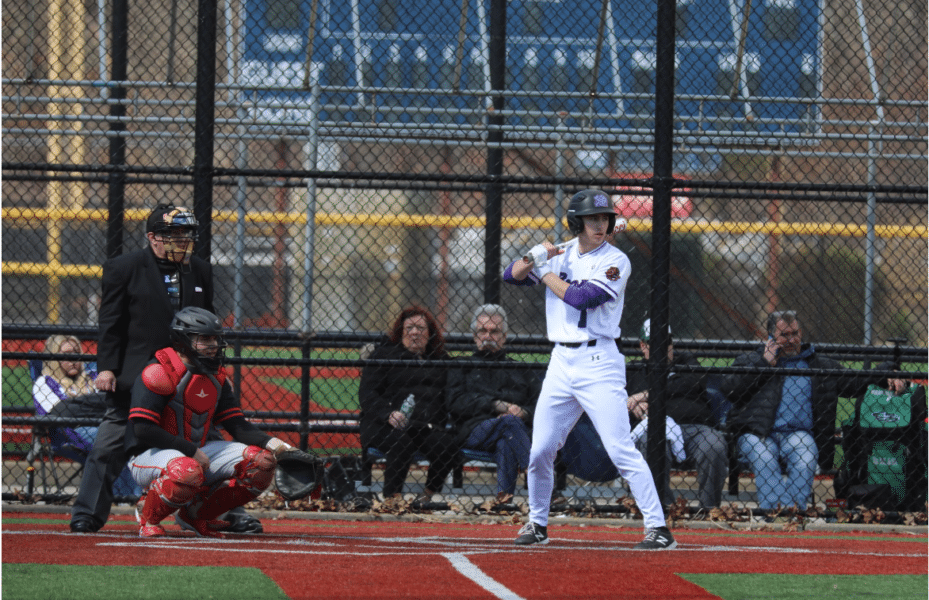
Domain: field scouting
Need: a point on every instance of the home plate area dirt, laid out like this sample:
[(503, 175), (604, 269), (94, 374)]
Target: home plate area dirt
[(351, 559)]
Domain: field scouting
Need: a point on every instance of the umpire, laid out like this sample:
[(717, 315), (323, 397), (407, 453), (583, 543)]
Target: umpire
[(141, 291)]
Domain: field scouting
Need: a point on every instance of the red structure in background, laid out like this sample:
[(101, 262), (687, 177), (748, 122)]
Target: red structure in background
[(636, 200)]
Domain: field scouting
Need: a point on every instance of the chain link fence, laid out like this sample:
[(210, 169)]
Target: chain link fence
[(348, 160)]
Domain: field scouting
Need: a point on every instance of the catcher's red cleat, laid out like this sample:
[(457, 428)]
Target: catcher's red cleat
[(151, 531), (202, 528)]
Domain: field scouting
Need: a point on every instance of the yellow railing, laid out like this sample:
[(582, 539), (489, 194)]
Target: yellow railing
[(34, 217)]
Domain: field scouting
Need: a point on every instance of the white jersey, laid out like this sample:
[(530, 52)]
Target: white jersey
[(608, 268)]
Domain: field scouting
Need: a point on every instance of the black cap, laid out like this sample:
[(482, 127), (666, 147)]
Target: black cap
[(646, 333), (167, 217), (157, 216)]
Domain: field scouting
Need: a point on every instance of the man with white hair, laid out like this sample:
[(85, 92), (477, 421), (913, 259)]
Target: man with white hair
[(491, 406)]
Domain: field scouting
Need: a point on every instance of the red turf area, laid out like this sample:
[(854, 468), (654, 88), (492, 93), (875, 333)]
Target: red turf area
[(347, 559)]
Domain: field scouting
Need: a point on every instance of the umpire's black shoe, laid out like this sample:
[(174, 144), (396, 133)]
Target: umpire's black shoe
[(84, 525), (243, 524), (532, 533), (657, 538)]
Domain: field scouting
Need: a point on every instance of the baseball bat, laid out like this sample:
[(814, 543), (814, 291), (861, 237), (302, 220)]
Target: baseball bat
[(560, 246)]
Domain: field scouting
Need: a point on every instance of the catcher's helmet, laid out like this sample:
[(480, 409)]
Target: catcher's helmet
[(195, 321), (178, 228), (589, 202)]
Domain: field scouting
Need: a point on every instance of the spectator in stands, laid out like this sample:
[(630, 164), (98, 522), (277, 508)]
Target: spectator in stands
[(66, 389), (492, 407), (778, 416), (688, 405), (415, 340)]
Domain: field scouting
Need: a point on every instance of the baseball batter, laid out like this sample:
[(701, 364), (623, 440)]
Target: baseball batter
[(586, 284)]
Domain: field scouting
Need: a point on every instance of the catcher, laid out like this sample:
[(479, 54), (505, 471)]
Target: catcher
[(175, 401)]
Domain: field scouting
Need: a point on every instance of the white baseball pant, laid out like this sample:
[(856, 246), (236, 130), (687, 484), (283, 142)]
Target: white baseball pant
[(592, 380)]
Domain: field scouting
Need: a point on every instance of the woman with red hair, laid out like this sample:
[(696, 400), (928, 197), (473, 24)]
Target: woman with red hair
[(415, 340)]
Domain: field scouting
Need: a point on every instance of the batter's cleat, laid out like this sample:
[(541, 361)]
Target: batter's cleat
[(532, 533), (657, 538), (199, 526), (151, 531)]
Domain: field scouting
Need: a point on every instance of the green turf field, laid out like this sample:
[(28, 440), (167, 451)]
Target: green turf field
[(65, 582), (794, 587), (112, 582)]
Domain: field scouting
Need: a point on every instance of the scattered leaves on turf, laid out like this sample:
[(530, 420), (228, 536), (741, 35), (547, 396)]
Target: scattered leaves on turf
[(623, 507)]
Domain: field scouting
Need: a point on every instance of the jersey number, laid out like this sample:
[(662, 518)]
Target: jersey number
[(582, 321)]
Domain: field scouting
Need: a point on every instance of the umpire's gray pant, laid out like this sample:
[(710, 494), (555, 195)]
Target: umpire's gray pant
[(104, 464)]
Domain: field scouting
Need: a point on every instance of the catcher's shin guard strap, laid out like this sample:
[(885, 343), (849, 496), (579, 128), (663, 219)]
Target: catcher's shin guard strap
[(176, 487), (256, 471)]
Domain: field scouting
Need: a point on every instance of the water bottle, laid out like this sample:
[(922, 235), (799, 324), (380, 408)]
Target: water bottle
[(407, 407)]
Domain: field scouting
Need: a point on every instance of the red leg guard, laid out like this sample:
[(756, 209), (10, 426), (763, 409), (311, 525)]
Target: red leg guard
[(252, 476), (176, 487)]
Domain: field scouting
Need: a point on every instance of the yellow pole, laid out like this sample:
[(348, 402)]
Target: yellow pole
[(56, 70), (66, 61)]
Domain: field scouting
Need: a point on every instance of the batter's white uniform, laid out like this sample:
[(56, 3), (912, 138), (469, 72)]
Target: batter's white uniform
[(589, 375)]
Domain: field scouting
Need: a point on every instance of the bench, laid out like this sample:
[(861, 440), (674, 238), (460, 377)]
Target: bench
[(370, 455)]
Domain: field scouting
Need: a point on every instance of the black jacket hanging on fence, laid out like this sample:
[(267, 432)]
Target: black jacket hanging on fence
[(756, 397)]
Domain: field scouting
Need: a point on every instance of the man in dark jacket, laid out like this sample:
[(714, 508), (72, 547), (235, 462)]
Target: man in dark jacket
[(790, 418), (491, 407), (689, 406)]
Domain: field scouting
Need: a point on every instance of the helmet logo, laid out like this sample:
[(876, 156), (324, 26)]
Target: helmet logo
[(600, 201)]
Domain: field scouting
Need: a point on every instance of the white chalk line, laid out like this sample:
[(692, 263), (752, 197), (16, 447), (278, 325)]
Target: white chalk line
[(377, 546), (467, 568)]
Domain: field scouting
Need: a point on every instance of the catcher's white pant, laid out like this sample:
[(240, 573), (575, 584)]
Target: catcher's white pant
[(224, 456), (592, 380)]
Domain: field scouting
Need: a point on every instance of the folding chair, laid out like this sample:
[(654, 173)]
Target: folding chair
[(45, 457)]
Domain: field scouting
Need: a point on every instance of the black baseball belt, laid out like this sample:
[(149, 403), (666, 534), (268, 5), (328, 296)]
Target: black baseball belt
[(589, 344)]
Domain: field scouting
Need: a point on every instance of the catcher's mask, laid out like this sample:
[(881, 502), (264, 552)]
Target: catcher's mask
[(589, 202), (198, 334), (176, 228)]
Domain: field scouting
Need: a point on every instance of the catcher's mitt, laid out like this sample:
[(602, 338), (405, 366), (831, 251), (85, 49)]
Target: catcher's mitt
[(297, 474)]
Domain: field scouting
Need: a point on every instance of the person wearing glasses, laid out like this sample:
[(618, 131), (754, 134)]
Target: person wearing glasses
[(403, 407), (784, 418)]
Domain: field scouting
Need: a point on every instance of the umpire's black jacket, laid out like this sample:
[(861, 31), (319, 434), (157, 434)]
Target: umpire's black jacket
[(755, 398), (136, 312)]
